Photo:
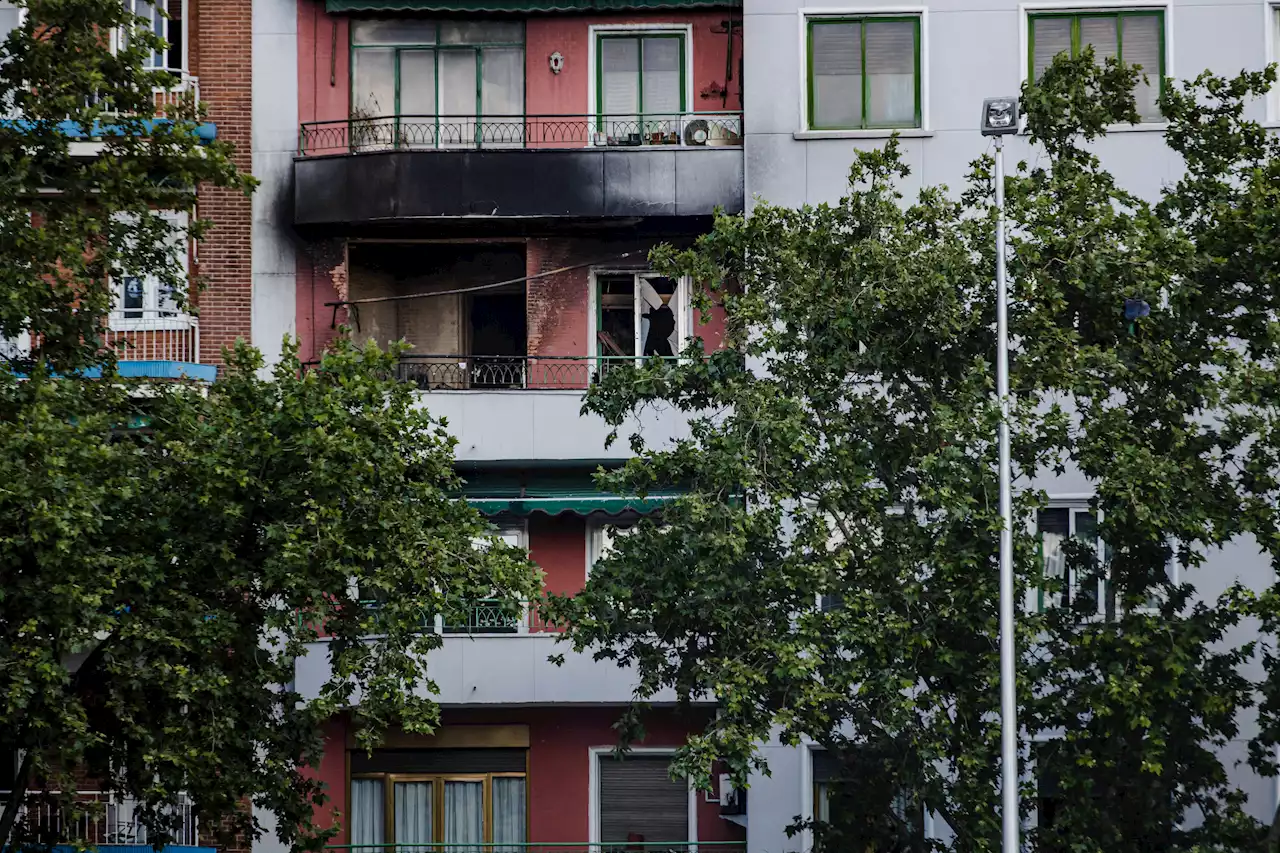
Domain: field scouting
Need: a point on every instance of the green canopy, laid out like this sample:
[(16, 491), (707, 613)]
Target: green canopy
[(523, 493), (520, 6)]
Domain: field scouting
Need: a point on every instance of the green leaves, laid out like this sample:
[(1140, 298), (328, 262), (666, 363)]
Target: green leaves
[(831, 574)]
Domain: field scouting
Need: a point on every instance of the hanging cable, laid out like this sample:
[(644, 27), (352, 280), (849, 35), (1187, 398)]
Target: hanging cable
[(508, 282)]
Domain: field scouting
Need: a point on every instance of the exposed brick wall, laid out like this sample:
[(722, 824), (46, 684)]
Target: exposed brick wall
[(220, 51)]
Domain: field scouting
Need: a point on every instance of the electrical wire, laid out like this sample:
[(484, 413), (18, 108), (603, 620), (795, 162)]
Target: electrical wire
[(506, 283)]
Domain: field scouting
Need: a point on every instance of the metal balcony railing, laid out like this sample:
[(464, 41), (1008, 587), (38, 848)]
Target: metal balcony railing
[(444, 132), (95, 818), (491, 616), (151, 335), (545, 847), (506, 372)]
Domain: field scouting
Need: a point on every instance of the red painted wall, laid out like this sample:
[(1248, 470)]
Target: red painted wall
[(560, 740), (324, 73), (559, 546), (566, 92)]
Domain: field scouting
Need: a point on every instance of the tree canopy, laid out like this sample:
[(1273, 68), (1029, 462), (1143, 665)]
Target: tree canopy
[(831, 575), (167, 550)]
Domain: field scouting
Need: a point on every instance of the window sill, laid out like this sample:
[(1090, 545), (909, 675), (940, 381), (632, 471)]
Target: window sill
[(878, 133)]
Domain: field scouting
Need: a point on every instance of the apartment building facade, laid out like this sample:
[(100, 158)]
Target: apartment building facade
[(483, 179), (831, 76)]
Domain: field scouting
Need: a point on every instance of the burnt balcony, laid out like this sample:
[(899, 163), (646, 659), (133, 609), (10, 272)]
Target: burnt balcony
[(401, 168)]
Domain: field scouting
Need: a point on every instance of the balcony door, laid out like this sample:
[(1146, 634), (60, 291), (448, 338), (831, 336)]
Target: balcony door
[(436, 84), (640, 87)]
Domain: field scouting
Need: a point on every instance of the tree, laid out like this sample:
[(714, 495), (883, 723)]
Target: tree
[(167, 550), (831, 573)]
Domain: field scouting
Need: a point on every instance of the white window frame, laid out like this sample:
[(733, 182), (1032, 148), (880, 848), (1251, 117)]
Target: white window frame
[(181, 318), (1072, 505), (683, 308), (809, 808), (594, 754), (1026, 10), (804, 15), (601, 535), (595, 30), (117, 40)]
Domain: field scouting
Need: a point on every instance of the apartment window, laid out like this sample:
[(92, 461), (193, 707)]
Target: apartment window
[(442, 79), (909, 817), (640, 83), (639, 802), (1056, 527), (864, 73), (601, 537), (490, 615), (1134, 37), (142, 300), (10, 18), (442, 796), (165, 19), (640, 314)]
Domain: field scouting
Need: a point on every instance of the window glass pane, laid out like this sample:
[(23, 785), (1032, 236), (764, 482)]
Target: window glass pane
[(616, 331), (481, 32), (1086, 585), (133, 300), (508, 814), (1051, 37), (891, 73), (1054, 526), (502, 81), (373, 83), (1102, 35), (657, 316), (393, 31), (367, 813), (418, 97), (620, 84), (463, 812), (174, 36), (457, 97), (837, 75), (412, 816), (660, 80), (1141, 46)]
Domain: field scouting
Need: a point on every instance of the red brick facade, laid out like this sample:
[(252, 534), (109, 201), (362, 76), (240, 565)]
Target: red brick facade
[(220, 54)]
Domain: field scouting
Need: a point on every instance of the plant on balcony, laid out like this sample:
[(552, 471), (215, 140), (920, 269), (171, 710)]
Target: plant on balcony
[(831, 575), (364, 130)]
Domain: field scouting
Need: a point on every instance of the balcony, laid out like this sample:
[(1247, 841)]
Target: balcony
[(96, 819), (538, 847), (157, 344), (505, 372), (395, 169)]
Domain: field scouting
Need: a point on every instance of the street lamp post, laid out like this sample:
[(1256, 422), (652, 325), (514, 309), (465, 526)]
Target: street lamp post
[(1000, 118)]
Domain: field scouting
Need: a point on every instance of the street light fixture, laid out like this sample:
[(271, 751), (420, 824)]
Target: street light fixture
[(999, 119)]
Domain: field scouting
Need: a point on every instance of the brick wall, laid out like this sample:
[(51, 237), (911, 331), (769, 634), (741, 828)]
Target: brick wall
[(220, 51)]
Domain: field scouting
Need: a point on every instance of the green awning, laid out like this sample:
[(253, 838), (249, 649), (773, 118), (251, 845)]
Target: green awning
[(521, 6), (523, 493)]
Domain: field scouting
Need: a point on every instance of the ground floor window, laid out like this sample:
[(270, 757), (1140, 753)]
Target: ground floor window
[(441, 796), (639, 802), (909, 817)]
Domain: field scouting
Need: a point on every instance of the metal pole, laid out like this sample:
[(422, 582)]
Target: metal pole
[(1008, 698)]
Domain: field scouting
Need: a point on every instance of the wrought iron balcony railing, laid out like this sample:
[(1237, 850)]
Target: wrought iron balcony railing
[(442, 132), (94, 818), (548, 847), (502, 372), (491, 616), (151, 335)]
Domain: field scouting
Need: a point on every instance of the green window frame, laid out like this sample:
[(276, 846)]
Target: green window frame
[(1120, 17), (865, 122), (437, 48), (639, 37)]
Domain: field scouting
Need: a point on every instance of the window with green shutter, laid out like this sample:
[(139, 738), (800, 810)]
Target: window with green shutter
[(864, 73), (1134, 37)]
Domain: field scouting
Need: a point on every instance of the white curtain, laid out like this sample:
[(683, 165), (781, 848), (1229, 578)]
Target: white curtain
[(508, 814), (457, 97), (412, 816), (373, 86), (660, 83), (367, 813), (464, 815), (619, 94)]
